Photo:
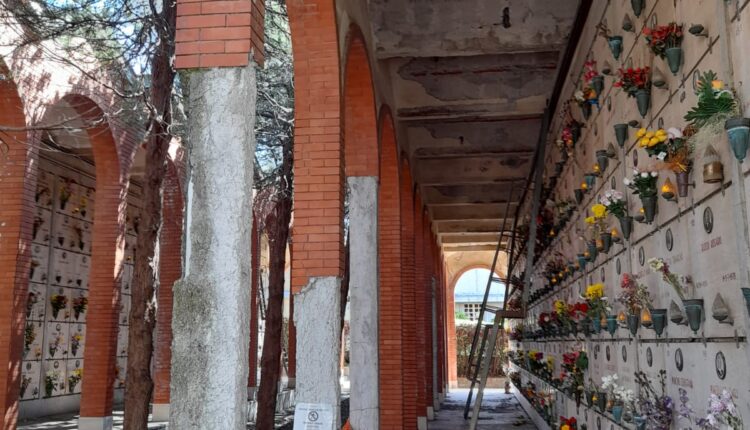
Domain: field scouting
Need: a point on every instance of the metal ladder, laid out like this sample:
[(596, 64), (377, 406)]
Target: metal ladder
[(483, 330), (479, 367)]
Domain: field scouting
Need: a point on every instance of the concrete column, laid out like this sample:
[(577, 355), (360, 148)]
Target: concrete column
[(364, 364), (211, 321), (316, 314)]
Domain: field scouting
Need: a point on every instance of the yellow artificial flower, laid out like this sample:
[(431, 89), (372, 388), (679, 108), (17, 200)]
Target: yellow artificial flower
[(595, 291), (589, 220), (641, 132), (565, 427), (717, 85), (653, 142), (644, 142), (663, 137), (650, 134), (599, 210)]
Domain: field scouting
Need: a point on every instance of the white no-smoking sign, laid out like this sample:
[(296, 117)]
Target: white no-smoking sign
[(313, 416)]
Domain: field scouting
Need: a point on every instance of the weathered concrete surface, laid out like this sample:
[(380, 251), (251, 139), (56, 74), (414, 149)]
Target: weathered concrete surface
[(499, 411), (95, 423), (316, 316), (211, 324), (363, 365)]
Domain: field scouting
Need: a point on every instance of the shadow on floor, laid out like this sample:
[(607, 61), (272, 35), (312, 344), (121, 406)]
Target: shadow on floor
[(499, 411)]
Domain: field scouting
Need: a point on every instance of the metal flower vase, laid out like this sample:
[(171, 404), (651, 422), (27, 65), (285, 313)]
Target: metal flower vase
[(683, 182), (606, 241), (659, 318), (617, 411), (593, 250), (621, 133), (674, 59), (615, 45), (694, 312), (596, 324), (578, 195), (633, 324), (601, 401), (626, 226), (643, 101), (649, 208), (746, 295), (738, 131), (586, 110), (612, 324), (597, 83), (637, 6), (602, 158)]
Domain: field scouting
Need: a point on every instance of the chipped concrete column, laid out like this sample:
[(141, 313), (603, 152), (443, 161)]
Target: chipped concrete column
[(210, 319), (363, 291), (316, 315)]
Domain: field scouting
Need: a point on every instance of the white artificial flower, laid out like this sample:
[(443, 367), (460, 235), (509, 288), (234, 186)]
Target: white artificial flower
[(654, 174), (644, 175), (618, 195), (626, 181), (662, 155), (608, 193), (674, 133), (605, 201), (636, 172)]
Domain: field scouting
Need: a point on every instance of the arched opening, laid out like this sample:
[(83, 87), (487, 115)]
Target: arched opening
[(15, 237), (467, 295), (80, 266), (389, 293)]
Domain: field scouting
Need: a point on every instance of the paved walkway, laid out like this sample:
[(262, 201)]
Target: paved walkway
[(70, 422), (499, 411)]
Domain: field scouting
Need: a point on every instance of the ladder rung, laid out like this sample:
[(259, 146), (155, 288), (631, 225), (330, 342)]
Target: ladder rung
[(497, 280)]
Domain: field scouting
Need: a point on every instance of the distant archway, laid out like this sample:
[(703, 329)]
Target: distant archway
[(479, 273)]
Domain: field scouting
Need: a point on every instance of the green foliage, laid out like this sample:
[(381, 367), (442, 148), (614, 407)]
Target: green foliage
[(464, 336), (715, 103), (460, 315)]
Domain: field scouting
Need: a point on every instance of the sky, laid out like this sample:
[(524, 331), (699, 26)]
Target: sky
[(474, 282)]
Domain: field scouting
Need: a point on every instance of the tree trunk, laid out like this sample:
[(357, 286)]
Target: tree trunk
[(139, 384), (277, 228), (345, 284)]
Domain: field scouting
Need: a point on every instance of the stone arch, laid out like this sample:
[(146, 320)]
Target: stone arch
[(389, 256), (360, 122), (15, 240)]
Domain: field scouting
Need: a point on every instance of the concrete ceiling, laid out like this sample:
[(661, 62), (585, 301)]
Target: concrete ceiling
[(470, 80)]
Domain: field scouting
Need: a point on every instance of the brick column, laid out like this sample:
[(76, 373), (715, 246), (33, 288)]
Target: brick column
[(217, 40), (427, 274), (104, 281), (318, 202), (170, 270), (17, 186), (408, 300), (420, 312)]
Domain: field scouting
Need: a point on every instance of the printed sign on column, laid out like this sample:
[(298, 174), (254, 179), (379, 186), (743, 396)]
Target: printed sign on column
[(313, 416)]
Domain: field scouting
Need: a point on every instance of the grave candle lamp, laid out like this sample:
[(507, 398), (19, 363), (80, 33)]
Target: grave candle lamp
[(641, 215), (668, 191), (646, 319), (615, 236)]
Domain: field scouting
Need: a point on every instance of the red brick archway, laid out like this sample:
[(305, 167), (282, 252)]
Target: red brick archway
[(450, 318), (318, 169), (106, 261), (16, 213), (389, 256), (360, 121)]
